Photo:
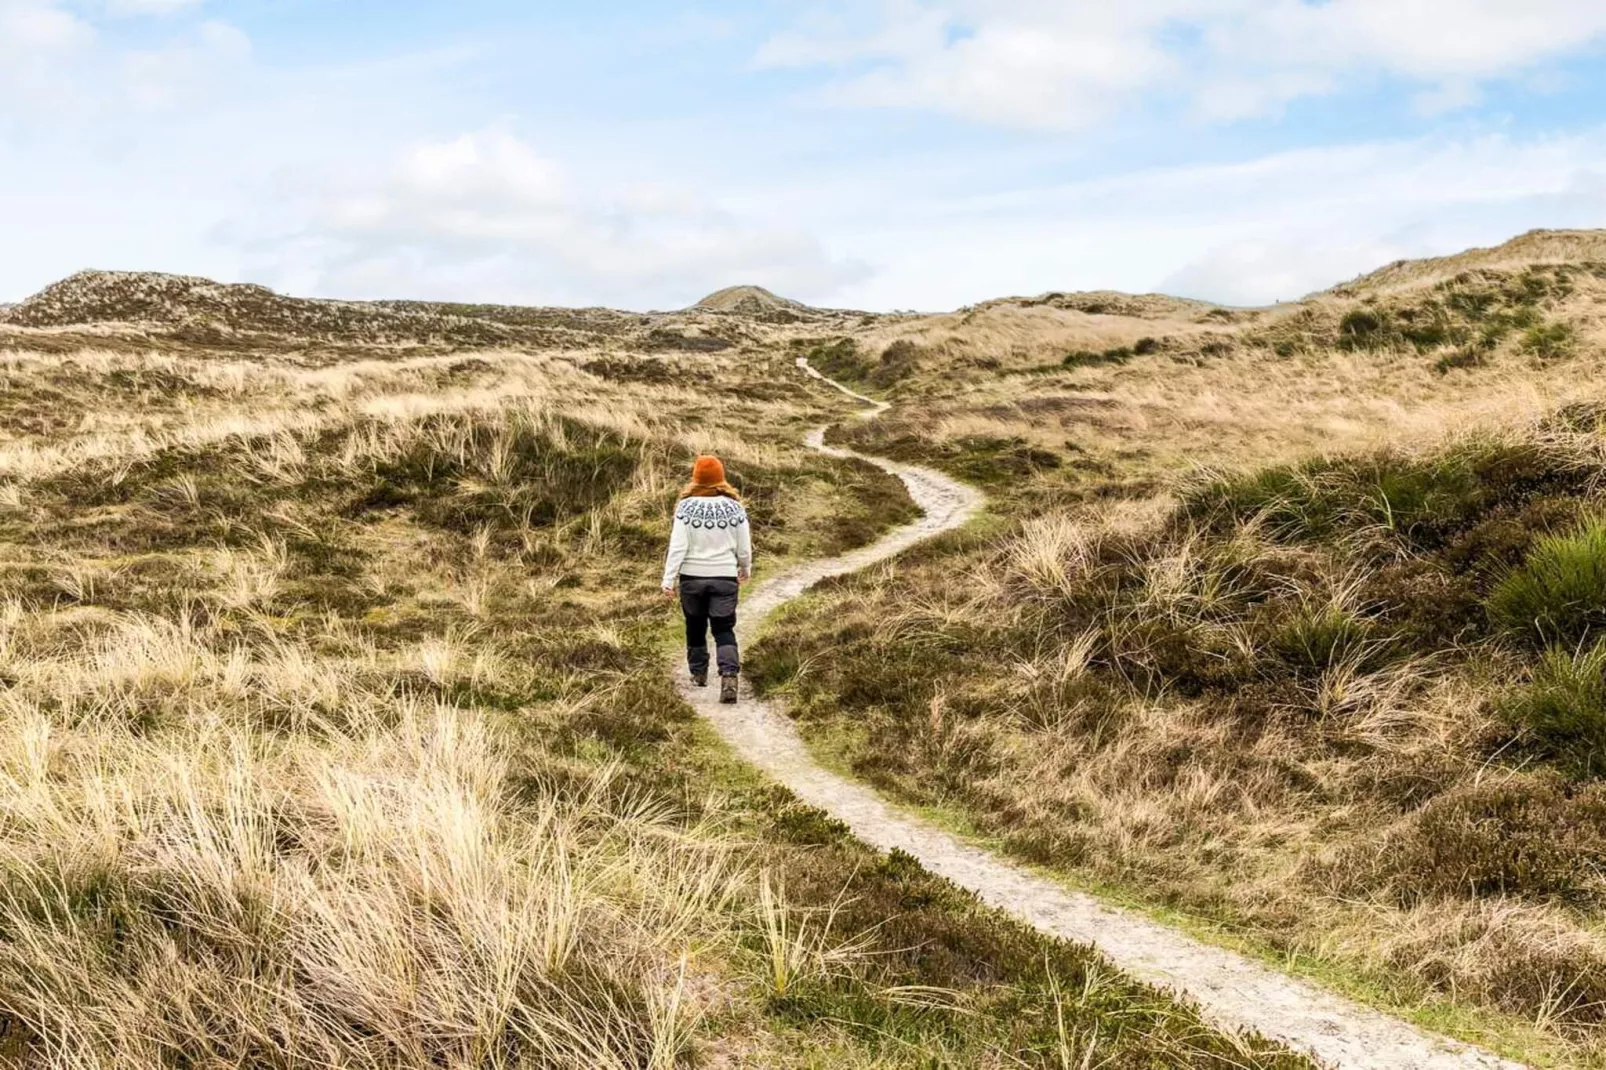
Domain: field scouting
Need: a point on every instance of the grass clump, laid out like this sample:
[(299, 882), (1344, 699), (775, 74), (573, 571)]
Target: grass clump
[(1318, 637), (1549, 341), (1558, 595), (898, 361), (1419, 501), (1461, 359), (1364, 328), (1563, 708), (1090, 358)]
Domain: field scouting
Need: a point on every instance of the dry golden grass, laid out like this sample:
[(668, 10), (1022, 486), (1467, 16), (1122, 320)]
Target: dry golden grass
[(334, 733), (1275, 732), (331, 729), (230, 836)]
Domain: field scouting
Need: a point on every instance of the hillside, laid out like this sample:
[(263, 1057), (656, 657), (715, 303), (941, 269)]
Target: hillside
[(1115, 303), (1536, 248), (1287, 622), (748, 300), (332, 657), (335, 728), (185, 311)]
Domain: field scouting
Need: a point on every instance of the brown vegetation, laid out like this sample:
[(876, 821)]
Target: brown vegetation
[(333, 729), (1288, 620)]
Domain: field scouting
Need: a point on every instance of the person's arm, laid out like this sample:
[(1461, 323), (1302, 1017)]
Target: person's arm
[(744, 547), (677, 554)]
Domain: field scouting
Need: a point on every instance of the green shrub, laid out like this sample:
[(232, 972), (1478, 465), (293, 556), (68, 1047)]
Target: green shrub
[(1564, 708), (1317, 637), (1087, 358), (1558, 595), (1363, 328), (1549, 341), (1474, 304), (1286, 498), (1146, 346), (1523, 318), (523, 472), (1428, 327), (840, 360), (898, 361), (1421, 501)]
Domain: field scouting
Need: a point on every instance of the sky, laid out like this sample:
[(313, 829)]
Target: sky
[(874, 154)]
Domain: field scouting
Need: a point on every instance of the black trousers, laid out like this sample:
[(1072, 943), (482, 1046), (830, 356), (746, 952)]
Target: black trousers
[(710, 604)]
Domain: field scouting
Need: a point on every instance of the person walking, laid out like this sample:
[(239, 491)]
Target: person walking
[(710, 557)]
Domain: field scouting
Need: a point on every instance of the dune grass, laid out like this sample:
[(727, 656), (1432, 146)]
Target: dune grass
[(1296, 638), (333, 731), (1558, 594)]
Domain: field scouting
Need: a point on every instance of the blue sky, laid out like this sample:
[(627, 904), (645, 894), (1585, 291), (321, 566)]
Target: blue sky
[(877, 154)]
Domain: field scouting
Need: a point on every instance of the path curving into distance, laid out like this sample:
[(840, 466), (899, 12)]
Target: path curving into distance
[(1234, 992)]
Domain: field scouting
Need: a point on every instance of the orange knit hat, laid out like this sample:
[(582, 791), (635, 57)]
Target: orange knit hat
[(708, 472)]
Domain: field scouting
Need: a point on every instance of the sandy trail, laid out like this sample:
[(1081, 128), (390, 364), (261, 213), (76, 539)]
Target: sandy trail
[(1234, 992)]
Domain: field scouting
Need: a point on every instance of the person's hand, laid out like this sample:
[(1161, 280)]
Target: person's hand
[(669, 593), (743, 577)]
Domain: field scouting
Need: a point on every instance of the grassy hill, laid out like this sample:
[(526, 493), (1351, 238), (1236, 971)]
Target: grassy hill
[(334, 728), (332, 675), (1286, 622)]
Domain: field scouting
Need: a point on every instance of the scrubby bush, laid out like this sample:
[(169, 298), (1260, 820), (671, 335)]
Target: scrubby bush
[(1364, 328), (1527, 836), (1559, 594), (840, 360), (898, 361)]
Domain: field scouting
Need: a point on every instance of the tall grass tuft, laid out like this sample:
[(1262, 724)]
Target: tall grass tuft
[(1558, 595), (1564, 707)]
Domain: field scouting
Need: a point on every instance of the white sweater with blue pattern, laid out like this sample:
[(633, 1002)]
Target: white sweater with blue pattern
[(712, 538)]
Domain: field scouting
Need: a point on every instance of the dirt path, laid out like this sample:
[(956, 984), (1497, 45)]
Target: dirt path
[(1234, 992)]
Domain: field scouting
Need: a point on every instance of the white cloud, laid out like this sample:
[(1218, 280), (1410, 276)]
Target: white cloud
[(1054, 64), (36, 38), (1261, 270), (61, 59), (150, 7), (159, 77), (485, 217), (1249, 233), (161, 160)]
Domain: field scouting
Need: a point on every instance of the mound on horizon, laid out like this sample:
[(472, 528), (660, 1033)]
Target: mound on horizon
[(748, 300), (194, 309), (1115, 303), (1536, 247)]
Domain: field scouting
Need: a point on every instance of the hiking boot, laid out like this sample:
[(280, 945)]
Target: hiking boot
[(727, 689), (700, 678)]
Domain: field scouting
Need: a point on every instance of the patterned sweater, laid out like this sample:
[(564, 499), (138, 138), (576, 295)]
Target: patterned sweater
[(712, 538)]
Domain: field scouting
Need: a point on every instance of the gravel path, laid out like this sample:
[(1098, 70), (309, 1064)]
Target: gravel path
[(1235, 992)]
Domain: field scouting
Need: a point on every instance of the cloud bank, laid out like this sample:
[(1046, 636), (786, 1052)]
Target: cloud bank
[(486, 217), (1053, 64)]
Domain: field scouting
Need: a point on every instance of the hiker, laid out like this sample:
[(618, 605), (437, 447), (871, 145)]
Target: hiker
[(710, 556)]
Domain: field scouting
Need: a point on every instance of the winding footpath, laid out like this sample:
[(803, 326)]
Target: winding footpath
[(1234, 992)]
